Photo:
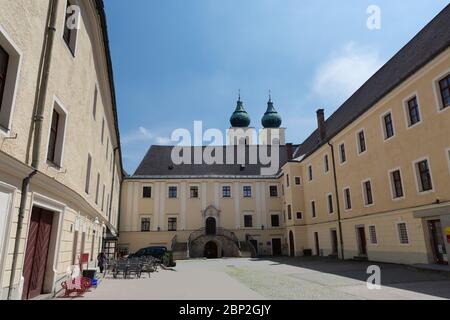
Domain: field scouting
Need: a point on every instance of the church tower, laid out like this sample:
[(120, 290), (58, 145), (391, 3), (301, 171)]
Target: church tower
[(240, 132), (272, 133)]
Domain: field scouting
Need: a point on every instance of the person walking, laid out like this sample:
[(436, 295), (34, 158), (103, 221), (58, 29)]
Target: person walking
[(101, 261)]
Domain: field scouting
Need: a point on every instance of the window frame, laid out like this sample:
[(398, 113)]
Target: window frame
[(223, 196), (326, 164), (330, 205), (365, 195), (87, 184), (384, 128), (406, 109), (376, 243), (170, 222), (276, 191), (289, 211), (313, 208), (191, 188), (58, 162), (298, 179), (419, 186), (358, 142), (297, 214), (149, 223), (310, 173), (438, 93), (392, 184), (169, 194), (144, 186), (272, 215), (245, 221), (348, 205), (247, 191), (342, 154), (398, 223)]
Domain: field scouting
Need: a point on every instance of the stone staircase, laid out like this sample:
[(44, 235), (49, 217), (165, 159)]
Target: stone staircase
[(179, 251)]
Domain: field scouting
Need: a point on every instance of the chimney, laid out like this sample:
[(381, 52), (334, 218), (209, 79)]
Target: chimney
[(321, 124), (289, 151)]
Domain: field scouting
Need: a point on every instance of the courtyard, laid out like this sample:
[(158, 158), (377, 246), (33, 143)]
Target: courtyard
[(275, 278)]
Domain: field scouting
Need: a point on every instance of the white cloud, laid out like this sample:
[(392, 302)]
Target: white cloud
[(142, 134), (345, 71)]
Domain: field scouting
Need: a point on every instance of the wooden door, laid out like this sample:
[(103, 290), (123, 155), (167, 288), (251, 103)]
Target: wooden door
[(437, 241), (37, 252), (362, 241), (276, 247)]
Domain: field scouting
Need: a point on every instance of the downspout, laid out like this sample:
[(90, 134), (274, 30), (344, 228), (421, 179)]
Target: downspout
[(341, 240), (37, 123)]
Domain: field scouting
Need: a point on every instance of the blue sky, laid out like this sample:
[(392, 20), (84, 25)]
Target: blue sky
[(177, 61)]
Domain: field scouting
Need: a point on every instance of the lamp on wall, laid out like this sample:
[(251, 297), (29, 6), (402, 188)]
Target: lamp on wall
[(96, 220)]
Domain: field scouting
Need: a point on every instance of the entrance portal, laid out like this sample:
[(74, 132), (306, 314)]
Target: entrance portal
[(36, 254), (361, 234), (211, 250), (437, 241), (210, 226)]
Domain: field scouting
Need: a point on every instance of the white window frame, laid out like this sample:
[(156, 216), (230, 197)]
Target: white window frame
[(363, 186), (61, 134), (248, 213), (383, 125), (328, 204), (310, 170), (278, 191), (295, 182), (327, 157), (437, 91), (145, 216), (198, 190), (142, 190), (8, 102), (417, 178), (251, 191), (407, 233), (370, 235), (168, 193), (406, 110), (75, 45), (296, 217), (176, 216), (279, 219), (358, 142), (346, 209), (341, 162), (392, 186), (231, 191)]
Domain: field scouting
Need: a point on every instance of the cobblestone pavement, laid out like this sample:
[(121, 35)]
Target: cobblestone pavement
[(275, 278)]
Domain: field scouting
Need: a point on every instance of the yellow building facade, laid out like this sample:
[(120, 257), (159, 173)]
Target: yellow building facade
[(60, 164), (372, 182)]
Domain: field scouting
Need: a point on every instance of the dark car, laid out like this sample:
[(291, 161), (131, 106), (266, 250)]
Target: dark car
[(157, 252)]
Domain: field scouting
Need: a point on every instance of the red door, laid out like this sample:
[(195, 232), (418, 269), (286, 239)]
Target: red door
[(36, 254)]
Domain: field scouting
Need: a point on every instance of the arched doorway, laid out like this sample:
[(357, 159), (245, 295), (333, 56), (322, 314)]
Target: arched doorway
[(291, 244), (210, 226), (211, 250)]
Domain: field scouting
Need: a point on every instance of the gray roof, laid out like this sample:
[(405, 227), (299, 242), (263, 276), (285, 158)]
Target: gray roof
[(158, 164), (432, 40)]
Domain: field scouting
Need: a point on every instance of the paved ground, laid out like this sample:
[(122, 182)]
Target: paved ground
[(281, 278)]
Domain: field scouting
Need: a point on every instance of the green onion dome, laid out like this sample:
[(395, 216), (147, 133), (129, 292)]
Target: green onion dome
[(240, 117), (271, 118)]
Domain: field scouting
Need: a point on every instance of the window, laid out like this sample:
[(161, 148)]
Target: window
[(402, 233), (275, 220), (373, 235), (361, 142), (326, 163), (56, 135), (70, 34), (9, 71), (103, 130), (97, 188), (4, 59), (88, 174), (247, 191), (289, 210), (413, 112), (173, 192), (388, 126), (298, 181), (145, 224), (313, 209), (310, 173), (103, 198), (53, 136), (396, 183), (248, 221), (424, 176), (287, 181), (226, 192), (193, 192), (348, 199), (367, 190), (94, 109), (273, 190), (299, 215), (107, 149), (342, 154), (172, 224), (146, 192), (444, 87), (330, 204)]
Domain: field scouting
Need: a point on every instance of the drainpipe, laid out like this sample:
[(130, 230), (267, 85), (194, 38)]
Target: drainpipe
[(37, 123), (337, 201), (42, 89), (23, 203)]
